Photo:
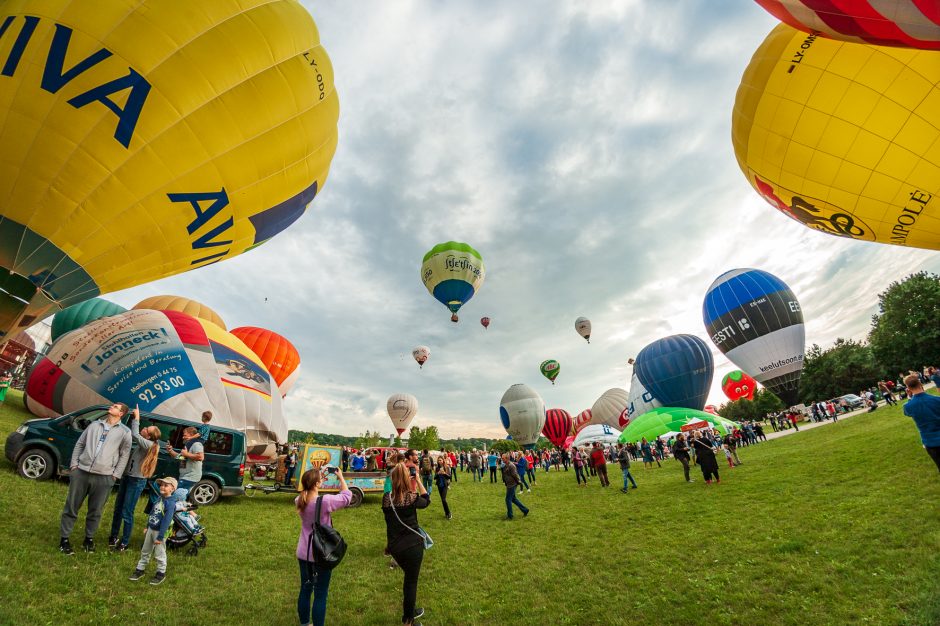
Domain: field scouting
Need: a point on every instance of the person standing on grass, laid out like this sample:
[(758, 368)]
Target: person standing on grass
[(157, 526), (648, 454), (623, 455), (705, 454), (600, 464), (924, 409), (405, 542), (491, 463), (522, 468), (475, 466), (291, 462), (426, 469), (314, 579), (190, 456), (453, 465), (680, 452), (141, 466), (530, 463), (98, 460), (732, 447), (511, 480), (578, 459), (442, 478)]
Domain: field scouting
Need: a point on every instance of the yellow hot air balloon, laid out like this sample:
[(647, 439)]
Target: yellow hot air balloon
[(844, 137), (141, 139), (183, 305)]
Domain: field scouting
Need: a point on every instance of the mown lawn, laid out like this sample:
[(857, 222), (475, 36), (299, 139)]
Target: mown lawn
[(836, 525)]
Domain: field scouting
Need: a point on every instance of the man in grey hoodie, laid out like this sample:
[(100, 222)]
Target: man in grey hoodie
[(98, 460)]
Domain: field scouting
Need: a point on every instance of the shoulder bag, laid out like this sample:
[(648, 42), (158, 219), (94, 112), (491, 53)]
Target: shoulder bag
[(428, 542), (326, 544)]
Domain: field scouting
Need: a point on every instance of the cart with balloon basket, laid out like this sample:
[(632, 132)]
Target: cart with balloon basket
[(313, 456)]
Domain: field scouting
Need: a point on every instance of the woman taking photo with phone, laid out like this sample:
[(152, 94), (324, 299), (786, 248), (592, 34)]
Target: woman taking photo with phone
[(405, 541), (315, 580)]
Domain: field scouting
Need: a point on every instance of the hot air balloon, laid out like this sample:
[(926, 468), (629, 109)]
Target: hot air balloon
[(737, 385), (583, 326), (140, 142), (568, 441), (640, 399), (522, 413), (485, 321), (596, 433), (557, 426), (583, 419), (453, 272), (550, 369), (401, 407), (905, 23), (611, 408), (841, 136), (278, 354), (166, 362), (421, 354), (711, 408), (756, 321), (677, 370), (672, 419), (183, 305), (80, 314)]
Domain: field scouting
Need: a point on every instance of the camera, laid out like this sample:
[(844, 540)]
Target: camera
[(414, 472), (331, 470)]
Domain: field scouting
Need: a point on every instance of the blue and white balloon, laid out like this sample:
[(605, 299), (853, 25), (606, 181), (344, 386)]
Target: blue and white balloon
[(522, 413)]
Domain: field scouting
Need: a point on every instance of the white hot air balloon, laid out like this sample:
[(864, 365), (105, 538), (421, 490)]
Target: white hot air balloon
[(611, 409), (596, 433), (421, 354), (583, 326), (522, 412), (640, 400), (402, 408)]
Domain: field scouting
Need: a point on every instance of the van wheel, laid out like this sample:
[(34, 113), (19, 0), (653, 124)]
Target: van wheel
[(357, 496), (36, 464), (205, 492)]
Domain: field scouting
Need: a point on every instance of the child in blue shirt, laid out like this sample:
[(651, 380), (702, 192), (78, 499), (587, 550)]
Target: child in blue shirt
[(157, 526)]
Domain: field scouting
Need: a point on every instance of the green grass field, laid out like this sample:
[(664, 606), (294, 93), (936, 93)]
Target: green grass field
[(836, 525)]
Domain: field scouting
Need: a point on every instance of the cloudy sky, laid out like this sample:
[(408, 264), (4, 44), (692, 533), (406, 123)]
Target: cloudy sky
[(584, 149)]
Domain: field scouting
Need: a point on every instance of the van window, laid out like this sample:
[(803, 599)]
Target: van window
[(81, 421), (219, 443), (172, 433)]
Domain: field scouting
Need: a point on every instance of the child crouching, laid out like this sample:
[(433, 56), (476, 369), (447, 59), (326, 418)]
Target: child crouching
[(157, 526)]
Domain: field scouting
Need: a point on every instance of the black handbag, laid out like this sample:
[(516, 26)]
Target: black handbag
[(326, 544)]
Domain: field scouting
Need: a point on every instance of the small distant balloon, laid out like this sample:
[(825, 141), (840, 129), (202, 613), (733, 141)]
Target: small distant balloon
[(421, 355), (550, 369), (485, 321), (583, 326)]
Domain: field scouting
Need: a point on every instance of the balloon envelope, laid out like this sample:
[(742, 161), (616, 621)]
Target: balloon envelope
[(78, 315), (522, 412), (737, 385), (711, 408), (677, 370), (582, 420), (183, 305), (550, 369), (596, 433), (611, 408), (557, 426), (166, 362), (905, 23), (421, 354), (485, 321), (827, 134), (756, 321), (277, 353), (452, 272), (402, 408), (583, 326), (640, 400), (140, 142), (665, 419)]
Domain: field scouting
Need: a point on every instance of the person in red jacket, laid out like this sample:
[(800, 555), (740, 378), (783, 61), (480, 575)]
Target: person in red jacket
[(453, 465), (600, 464)]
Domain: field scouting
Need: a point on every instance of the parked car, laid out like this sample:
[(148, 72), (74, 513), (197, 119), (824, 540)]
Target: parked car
[(852, 401), (42, 448)]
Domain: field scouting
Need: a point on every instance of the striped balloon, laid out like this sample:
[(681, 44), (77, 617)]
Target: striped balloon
[(583, 419), (183, 305), (557, 426), (756, 321), (901, 23)]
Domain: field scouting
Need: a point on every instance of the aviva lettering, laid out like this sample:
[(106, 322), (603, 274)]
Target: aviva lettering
[(55, 76), (206, 205)]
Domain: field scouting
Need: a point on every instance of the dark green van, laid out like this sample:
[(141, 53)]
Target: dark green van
[(42, 448)]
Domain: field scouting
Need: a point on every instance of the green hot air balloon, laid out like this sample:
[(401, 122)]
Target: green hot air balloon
[(550, 369), (78, 315), (658, 422)]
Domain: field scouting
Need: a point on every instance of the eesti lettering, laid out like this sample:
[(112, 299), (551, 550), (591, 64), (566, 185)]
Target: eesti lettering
[(908, 216)]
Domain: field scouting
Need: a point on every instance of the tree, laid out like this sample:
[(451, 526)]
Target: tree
[(416, 438), (397, 442), (764, 402), (504, 445), (368, 440), (431, 439), (844, 368), (905, 334)]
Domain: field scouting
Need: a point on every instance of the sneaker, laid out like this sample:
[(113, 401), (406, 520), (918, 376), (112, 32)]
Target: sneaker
[(158, 578), (137, 575), (624, 491), (419, 612), (121, 547), (112, 541), (88, 545), (525, 513), (65, 547), (634, 487)]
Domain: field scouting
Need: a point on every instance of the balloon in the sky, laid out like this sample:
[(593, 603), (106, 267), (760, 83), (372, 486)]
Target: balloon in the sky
[(640, 400), (841, 136), (277, 353), (583, 326), (550, 369), (166, 362), (557, 426), (421, 354), (611, 408), (711, 408), (580, 421), (664, 420), (401, 407), (737, 385), (677, 370), (485, 321), (145, 139), (80, 314), (453, 272), (905, 23), (183, 305), (756, 321), (522, 413)]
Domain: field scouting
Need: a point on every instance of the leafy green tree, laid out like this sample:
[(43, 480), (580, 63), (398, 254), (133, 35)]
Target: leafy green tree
[(431, 439), (416, 438), (504, 445), (844, 368), (763, 403), (368, 440), (397, 443), (905, 334)]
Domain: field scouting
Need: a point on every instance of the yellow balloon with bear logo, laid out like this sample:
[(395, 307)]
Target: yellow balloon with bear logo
[(140, 139)]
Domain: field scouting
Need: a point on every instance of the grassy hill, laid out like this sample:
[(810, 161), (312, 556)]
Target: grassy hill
[(836, 525)]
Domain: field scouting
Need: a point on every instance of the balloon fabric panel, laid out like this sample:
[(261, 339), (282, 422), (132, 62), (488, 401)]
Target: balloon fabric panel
[(184, 305), (80, 314), (677, 370)]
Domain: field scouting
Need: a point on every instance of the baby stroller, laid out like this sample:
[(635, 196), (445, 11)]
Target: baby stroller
[(186, 530)]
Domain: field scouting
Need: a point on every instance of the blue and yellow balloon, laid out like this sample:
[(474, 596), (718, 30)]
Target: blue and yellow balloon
[(453, 272)]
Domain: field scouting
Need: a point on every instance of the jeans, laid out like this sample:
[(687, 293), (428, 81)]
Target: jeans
[(531, 474), (428, 482), (409, 560), (96, 488), (579, 474), (290, 475), (512, 499), (453, 474), (124, 505), (313, 581), (602, 473), (493, 474), (627, 476), (524, 483)]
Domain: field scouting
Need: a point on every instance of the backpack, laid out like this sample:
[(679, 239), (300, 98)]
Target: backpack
[(426, 464), (326, 544)]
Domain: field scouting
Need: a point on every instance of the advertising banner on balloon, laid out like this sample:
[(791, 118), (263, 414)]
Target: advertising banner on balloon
[(641, 400)]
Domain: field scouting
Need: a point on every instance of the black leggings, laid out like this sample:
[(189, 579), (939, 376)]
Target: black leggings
[(709, 474), (934, 452), (442, 492), (409, 560)]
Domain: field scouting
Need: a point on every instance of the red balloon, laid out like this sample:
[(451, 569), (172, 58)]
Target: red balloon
[(737, 385), (582, 420), (557, 426), (485, 321), (711, 408)]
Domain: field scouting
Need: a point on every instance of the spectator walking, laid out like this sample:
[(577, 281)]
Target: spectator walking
[(924, 409), (680, 451), (442, 478), (623, 455), (578, 459), (511, 480), (705, 456), (491, 461), (600, 464)]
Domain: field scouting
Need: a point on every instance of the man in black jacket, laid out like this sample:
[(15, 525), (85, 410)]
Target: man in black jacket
[(511, 480)]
